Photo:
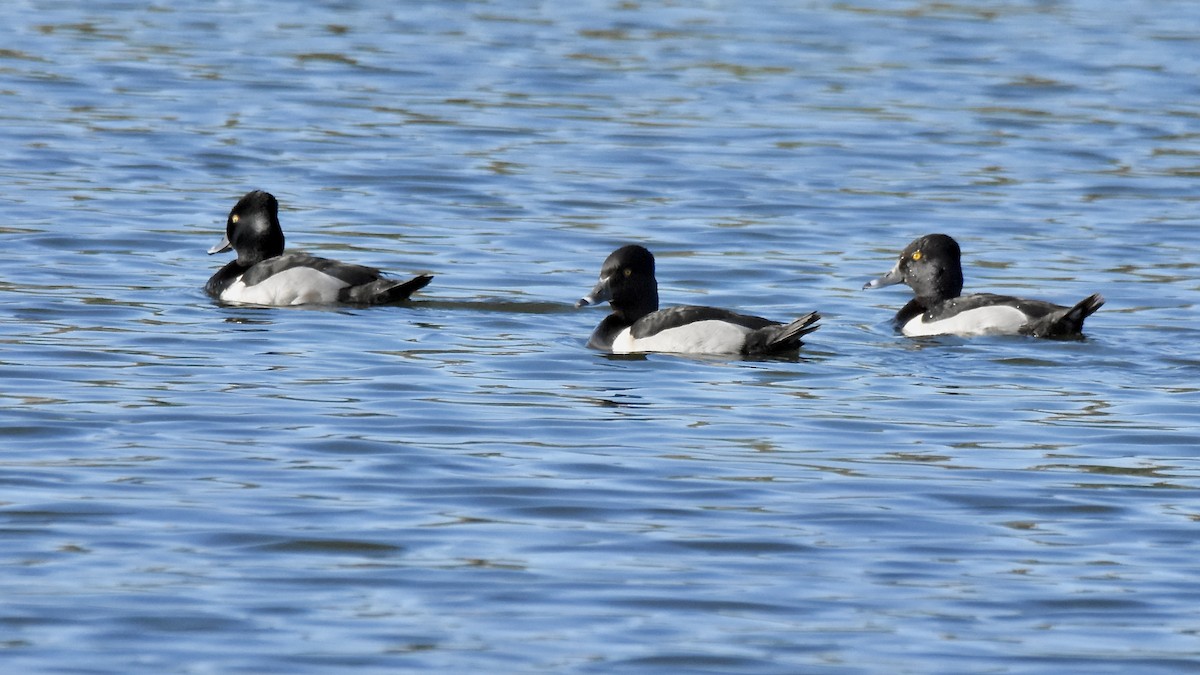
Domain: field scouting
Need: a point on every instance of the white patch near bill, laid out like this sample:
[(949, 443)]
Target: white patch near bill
[(294, 286), (994, 320), (700, 337)]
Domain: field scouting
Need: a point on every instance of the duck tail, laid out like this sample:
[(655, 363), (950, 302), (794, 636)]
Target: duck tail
[(384, 291), (1069, 321), (777, 338)]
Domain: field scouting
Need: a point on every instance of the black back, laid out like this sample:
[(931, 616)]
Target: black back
[(674, 317)]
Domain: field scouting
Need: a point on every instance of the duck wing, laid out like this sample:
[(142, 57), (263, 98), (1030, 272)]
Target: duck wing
[(778, 338), (675, 317), (1063, 321), (351, 275), (383, 291)]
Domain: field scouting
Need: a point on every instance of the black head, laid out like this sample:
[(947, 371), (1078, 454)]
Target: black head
[(252, 229), (931, 265), (627, 282)]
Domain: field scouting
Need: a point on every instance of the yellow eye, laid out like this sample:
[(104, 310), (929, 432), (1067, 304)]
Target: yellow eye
[(628, 271), (234, 218), (916, 255)]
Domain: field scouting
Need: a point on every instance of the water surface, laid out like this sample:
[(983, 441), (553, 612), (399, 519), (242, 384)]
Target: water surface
[(458, 484)]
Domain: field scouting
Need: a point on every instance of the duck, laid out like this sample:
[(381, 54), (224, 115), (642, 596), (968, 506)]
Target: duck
[(636, 324), (932, 267), (262, 274)]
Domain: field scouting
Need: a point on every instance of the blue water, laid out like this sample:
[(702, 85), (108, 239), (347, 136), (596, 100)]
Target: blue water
[(459, 485)]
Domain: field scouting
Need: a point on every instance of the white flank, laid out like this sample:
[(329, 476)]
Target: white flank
[(995, 320), (701, 337), (295, 286)]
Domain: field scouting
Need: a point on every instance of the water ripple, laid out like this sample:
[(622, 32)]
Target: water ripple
[(457, 484)]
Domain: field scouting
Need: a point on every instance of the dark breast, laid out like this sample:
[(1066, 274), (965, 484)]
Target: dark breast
[(221, 280)]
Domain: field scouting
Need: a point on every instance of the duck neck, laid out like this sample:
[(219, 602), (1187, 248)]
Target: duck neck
[(633, 308), (946, 283)]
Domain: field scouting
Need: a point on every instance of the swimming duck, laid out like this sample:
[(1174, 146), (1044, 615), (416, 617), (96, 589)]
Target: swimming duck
[(931, 265), (263, 274), (637, 325)]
